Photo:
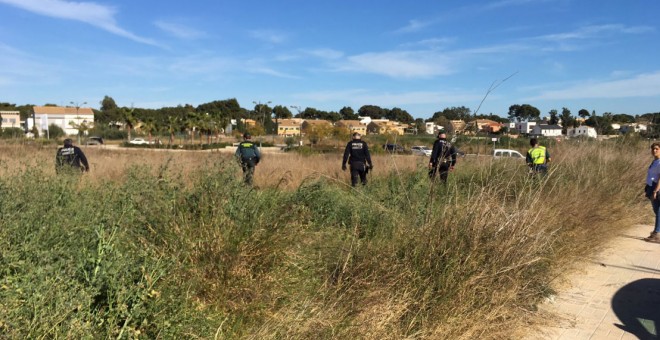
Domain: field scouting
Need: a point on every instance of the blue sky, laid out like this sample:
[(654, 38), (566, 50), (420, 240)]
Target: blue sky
[(421, 56)]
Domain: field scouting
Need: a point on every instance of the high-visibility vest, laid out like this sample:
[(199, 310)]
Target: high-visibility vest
[(538, 155)]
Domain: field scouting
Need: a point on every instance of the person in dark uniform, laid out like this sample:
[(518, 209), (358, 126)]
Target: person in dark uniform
[(70, 158), (248, 156), (443, 158), (357, 155)]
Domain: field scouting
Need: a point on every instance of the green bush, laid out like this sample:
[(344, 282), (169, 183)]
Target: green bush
[(12, 133), (55, 131), (167, 255)]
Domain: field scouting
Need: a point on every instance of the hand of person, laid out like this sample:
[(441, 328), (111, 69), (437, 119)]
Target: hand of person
[(371, 166), (343, 167), (451, 168), (430, 165)]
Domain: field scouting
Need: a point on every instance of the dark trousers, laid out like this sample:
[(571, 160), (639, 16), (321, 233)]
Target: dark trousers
[(248, 165), (358, 169), (541, 169), (442, 169)]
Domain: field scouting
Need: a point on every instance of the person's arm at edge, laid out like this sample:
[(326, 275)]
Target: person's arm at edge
[(83, 159), (257, 154), (346, 153), (434, 155), (368, 155)]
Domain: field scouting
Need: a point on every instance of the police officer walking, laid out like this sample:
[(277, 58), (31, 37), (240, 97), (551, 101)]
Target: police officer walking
[(538, 157), (443, 158), (70, 158), (248, 156), (357, 155)]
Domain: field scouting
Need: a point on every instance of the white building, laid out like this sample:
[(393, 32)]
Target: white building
[(583, 130), (632, 128), (433, 128), (546, 130), (365, 120), (64, 117), (525, 127), (10, 119)]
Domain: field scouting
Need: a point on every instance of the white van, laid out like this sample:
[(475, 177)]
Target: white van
[(507, 153)]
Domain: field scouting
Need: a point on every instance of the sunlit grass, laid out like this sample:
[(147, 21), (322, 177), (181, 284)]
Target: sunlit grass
[(159, 244)]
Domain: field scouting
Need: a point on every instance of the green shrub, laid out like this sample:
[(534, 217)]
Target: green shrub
[(55, 131), (12, 133), (200, 255)]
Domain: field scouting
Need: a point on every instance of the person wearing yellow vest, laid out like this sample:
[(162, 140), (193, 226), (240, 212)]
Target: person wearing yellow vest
[(538, 157)]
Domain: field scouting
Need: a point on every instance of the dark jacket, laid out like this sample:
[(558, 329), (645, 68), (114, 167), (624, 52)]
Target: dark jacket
[(443, 153), (357, 151), (247, 151), (71, 156)]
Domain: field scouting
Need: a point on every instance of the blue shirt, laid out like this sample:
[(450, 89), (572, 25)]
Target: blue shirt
[(654, 172)]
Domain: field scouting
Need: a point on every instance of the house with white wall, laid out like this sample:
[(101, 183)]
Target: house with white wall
[(525, 127), (635, 127), (433, 128), (64, 117), (582, 131), (546, 130)]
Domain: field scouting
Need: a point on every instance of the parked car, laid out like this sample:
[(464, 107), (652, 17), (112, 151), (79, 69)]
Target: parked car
[(94, 141), (138, 141), (421, 150), (394, 148), (507, 153)]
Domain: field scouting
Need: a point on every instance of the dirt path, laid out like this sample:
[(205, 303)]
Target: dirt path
[(615, 296)]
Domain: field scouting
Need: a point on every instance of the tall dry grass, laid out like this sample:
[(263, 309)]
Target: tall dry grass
[(284, 170), (182, 249)]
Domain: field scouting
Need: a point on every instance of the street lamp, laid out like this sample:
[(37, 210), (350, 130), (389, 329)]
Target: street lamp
[(77, 106)]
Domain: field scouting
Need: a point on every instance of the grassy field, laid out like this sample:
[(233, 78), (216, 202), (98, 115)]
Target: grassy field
[(155, 244)]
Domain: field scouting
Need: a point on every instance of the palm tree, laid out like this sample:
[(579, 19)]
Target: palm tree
[(205, 124), (191, 123), (173, 125), (149, 125), (82, 127), (129, 119)]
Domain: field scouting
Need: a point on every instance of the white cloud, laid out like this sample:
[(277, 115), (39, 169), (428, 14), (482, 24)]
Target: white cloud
[(18, 66), (432, 43), (325, 53), (414, 25), (400, 64), (178, 30), (270, 72), (203, 65), (588, 32), (507, 3), (358, 97), (87, 12), (643, 85), (269, 36)]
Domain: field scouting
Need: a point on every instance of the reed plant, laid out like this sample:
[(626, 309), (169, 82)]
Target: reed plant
[(172, 245)]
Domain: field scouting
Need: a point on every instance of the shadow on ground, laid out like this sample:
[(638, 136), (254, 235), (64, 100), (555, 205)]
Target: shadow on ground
[(637, 305)]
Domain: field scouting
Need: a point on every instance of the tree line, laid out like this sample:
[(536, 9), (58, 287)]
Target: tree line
[(213, 117)]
